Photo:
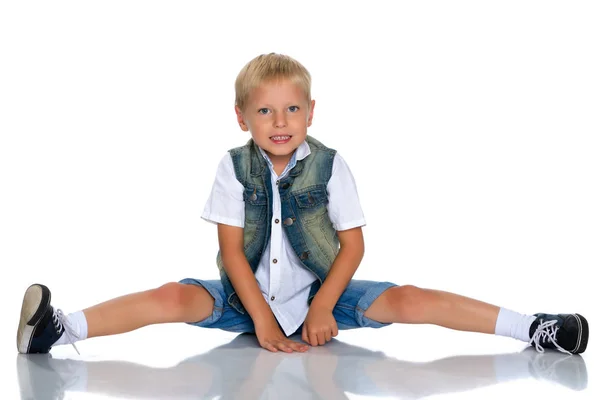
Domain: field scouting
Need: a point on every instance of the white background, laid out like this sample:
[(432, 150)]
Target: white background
[(472, 129)]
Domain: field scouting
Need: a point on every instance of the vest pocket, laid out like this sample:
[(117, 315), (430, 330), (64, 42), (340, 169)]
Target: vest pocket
[(311, 196), (255, 199), (312, 202)]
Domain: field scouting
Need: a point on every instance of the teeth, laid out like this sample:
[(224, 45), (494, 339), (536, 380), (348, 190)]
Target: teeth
[(280, 137)]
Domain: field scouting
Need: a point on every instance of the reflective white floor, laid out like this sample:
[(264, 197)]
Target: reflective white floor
[(470, 127), (406, 362)]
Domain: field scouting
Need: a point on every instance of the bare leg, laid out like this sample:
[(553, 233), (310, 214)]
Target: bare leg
[(413, 305), (172, 302)]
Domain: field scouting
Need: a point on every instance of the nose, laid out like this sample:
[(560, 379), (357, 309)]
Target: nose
[(279, 120)]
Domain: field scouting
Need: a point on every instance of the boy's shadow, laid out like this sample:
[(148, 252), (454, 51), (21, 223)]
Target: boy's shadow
[(241, 369)]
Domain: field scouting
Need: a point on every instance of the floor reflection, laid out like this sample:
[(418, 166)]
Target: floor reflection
[(240, 369)]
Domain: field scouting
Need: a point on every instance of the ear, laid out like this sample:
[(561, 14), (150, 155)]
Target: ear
[(240, 119), (310, 114)]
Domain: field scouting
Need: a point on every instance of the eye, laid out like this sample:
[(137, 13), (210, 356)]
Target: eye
[(263, 111), (293, 108)]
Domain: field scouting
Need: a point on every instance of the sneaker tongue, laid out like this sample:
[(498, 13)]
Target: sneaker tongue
[(533, 327)]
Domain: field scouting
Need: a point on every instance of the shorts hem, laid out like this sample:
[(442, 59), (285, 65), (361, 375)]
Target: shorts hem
[(217, 309), (366, 301)]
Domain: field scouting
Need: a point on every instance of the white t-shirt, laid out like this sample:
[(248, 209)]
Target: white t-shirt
[(285, 284)]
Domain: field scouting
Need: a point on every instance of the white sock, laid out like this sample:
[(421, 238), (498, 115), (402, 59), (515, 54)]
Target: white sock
[(513, 324), (79, 324)]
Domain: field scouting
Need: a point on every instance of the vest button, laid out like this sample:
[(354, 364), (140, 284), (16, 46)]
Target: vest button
[(288, 221), (304, 255), (274, 261), (285, 185), (272, 298), (253, 197), (277, 221)]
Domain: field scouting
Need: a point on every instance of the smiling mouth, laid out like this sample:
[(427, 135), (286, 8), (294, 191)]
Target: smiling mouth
[(280, 138)]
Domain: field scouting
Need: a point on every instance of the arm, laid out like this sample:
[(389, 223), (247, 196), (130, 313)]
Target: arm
[(352, 249), (320, 325), (346, 214), (270, 337), (231, 244)]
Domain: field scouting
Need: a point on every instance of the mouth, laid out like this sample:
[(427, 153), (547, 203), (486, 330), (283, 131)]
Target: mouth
[(280, 139)]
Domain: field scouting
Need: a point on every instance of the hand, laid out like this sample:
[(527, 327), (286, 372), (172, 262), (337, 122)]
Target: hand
[(271, 338), (319, 326)]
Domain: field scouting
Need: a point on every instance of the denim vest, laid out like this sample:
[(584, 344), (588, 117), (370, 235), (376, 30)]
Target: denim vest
[(306, 223)]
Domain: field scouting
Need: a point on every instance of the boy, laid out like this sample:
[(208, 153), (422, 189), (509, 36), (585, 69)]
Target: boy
[(290, 239)]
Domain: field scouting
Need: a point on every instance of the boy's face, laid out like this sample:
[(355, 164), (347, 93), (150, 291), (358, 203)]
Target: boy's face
[(278, 116)]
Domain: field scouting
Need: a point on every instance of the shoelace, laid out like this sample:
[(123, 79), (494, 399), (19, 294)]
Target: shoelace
[(546, 331), (62, 322)]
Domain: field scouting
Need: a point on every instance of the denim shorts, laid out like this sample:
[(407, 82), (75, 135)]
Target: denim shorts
[(349, 311)]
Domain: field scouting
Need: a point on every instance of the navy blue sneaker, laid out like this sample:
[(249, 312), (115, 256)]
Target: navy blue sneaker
[(567, 333), (40, 326)]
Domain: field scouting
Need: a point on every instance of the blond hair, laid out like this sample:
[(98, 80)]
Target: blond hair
[(270, 67)]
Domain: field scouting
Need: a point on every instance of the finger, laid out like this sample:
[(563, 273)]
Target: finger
[(314, 341), (335, 331), (301, 347), (304, 334), (321, 337), (327, 335), (270, 347), (293, 343), (284, 347)]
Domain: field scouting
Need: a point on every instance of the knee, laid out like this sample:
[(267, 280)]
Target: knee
[(171, 297), (410, 302)]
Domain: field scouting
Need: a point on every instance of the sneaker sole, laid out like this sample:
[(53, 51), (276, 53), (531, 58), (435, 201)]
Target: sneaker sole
[(35, 302), (584, 332)]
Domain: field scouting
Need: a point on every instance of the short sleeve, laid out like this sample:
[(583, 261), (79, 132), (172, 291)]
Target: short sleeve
[(225, 204), (344, 206)]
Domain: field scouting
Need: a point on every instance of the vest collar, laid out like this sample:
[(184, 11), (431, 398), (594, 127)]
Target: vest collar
[(259, 159)]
